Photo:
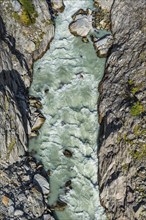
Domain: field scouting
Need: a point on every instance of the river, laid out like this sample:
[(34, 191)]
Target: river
[(66, 79)]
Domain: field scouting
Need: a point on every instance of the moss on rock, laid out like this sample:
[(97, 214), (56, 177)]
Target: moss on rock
[(28, 14), (10, 147), (137, 109)]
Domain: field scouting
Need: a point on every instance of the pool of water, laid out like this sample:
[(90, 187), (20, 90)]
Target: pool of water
[(70, 73)]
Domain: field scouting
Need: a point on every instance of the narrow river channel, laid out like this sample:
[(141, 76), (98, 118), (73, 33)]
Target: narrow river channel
[(67, 144)]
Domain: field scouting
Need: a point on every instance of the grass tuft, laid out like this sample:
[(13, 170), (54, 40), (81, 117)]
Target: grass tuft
[(137, 109)]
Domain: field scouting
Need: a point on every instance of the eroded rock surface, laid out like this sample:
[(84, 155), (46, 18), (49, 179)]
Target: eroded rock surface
[(14, 110), (101, 15), (24, 36), (122, 116), (82, 23), (58, 5), (104, 4), (102, 45), (24, 190), (30, 28)]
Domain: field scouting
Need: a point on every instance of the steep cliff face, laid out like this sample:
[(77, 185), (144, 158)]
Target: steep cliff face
[(13, 101), (122, 115), (26, 29)]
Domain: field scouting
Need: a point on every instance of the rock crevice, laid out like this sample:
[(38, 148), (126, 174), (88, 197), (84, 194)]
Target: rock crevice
[(122, 115), (24, 186)]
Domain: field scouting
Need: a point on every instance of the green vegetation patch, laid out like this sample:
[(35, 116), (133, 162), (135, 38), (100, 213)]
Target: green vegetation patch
[(10, 147), (27, 6), (134, 90), (138, 131), (28, 15), (139, 153), (143, 56), (125, 167), (137, 109), (7, 102), (130, 82)]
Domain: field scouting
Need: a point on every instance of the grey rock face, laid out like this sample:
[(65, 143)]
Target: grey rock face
[(14, 111), (20, 44), (30, 31), (16, 5), (41, 181), (102, 45), (20, 196), (58, 5), (82, 23), (122, 116)]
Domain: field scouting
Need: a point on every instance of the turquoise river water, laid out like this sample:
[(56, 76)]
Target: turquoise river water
[(71, 71)]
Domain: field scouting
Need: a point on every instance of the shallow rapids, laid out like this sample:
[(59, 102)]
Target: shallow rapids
[(70, 72)]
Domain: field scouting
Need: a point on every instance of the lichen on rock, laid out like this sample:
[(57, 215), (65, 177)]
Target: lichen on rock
[(122, 111), (20, 196)]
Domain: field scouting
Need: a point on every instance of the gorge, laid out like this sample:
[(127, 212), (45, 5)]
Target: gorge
[(66, 81), (64, 162)]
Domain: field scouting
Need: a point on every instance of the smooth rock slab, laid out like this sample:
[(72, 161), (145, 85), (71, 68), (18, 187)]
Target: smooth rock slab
[(38, 123), (58, 5), (82, 23), (16, 5), (102, 45), (18, 212), (42, 182)]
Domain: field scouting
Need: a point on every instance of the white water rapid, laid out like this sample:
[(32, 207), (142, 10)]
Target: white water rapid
[(71, 71)]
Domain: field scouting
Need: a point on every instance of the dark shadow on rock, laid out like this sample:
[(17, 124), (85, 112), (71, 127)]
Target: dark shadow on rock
[(106, 129), (22, 172), (11, 80), (10, 41), (50, 9)]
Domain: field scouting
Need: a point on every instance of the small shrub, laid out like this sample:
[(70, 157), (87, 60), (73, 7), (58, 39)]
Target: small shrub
[(134, 90), (130, 82), (140, 153), (28, 15), (27, 6), (25, 19), (137, 109), (139, 131), (125, 167), (16, 16)]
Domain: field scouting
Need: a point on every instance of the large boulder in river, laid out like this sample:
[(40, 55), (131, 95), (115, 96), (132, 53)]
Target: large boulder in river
[(82, 23), (58, 5), (102, 45)]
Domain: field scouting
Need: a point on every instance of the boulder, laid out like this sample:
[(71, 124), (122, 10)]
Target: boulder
[(82, 23), (102, 45)]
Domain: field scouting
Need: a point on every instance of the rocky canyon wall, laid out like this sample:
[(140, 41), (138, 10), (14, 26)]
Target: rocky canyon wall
[(26, 29), (122, 115)]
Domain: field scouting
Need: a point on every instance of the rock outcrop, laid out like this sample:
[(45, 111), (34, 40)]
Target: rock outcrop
[(122, 115), (24, 190), (102, 45), (26, 29), (23, 38), (82, 23)]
